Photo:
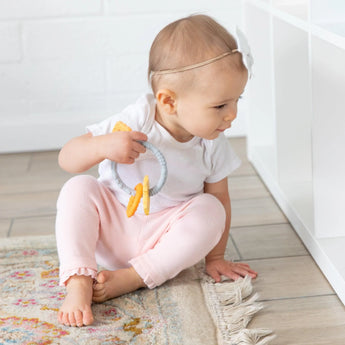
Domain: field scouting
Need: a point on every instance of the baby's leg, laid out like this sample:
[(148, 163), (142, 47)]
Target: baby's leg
[(171, 242), (80, 211), (193, 231)]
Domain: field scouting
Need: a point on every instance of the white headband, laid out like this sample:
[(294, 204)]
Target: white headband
[(243, 48)]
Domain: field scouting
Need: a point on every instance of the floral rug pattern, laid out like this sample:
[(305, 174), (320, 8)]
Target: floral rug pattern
[(31, 297), (188, 310)]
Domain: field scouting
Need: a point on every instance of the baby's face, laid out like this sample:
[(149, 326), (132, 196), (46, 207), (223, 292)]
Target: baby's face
[(210, 105)]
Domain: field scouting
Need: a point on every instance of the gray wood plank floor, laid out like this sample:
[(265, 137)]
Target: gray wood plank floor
[(300, 305)]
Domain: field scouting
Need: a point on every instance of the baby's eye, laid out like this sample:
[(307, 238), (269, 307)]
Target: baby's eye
[(221, 106)]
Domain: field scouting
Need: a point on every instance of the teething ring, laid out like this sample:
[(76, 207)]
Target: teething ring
[(164, 172), (140, 189)]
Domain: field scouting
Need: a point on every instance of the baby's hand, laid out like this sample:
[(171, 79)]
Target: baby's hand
[(233, 270), (123, 147)]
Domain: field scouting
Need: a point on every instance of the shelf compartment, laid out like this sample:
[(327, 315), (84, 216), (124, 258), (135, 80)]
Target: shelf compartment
[(328, 85), (262, 136)]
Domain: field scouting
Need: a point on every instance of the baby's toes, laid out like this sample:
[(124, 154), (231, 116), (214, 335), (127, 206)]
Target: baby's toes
[(99, 297), (60, 316), (65, 319), (87, 317), (97, 287), (72, 321), (78, 315), (98, 293)]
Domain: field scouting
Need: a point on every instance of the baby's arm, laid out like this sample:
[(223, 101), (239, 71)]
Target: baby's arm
[(216, 265), (83, 152)]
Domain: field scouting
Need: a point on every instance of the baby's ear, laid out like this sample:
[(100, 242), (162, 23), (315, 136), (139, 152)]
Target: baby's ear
[(166, 99)]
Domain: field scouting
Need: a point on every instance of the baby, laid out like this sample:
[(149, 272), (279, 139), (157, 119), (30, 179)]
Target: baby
[(197, 76)]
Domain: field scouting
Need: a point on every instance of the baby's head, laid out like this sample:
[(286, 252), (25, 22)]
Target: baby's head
[(197, 75), (188, 42)]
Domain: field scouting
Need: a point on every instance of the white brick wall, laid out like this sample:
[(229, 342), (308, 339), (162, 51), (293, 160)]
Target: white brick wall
[(23, 9), (68, 63), (10, 42)]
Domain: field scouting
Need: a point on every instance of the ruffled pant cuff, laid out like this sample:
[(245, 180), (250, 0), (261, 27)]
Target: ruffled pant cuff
[(83, 271)]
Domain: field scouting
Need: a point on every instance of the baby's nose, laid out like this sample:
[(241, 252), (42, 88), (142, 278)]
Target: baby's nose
[(231, 116)]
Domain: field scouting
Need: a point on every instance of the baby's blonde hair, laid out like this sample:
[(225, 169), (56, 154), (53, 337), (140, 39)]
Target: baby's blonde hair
[(188, 41)]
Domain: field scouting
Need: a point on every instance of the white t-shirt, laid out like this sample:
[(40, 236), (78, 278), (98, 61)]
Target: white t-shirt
[(190, 164)]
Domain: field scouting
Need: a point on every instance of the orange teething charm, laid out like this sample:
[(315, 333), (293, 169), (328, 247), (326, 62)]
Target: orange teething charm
[(134, 200)]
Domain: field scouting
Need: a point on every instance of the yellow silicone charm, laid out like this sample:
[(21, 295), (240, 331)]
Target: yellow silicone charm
[(120, 126), (146, 195), (134, 200)]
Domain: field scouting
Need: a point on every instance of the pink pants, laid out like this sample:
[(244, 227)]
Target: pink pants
[(92, 228)]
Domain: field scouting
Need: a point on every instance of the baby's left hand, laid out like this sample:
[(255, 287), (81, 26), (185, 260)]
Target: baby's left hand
[(233, 270)]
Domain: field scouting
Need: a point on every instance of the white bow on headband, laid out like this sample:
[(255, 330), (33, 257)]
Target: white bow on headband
[(244, 49)]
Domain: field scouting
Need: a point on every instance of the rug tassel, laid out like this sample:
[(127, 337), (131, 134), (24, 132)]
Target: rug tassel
[(240, 289), (253, 337), (232, 308), (238, 318)]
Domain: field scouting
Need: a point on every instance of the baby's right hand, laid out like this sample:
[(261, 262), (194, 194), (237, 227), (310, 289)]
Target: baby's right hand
[(123, 147)]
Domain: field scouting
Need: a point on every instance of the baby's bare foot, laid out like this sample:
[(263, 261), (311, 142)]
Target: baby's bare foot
[(76, 308), (111, 284)]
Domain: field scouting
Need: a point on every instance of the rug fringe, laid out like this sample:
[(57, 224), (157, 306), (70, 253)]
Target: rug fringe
[(232, 306), (242, 288), (252, 337)]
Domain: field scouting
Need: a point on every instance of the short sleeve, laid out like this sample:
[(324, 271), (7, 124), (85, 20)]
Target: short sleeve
[(223, 159), (136, 116)]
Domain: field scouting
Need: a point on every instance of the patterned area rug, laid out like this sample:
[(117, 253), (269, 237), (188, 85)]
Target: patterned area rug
[(189, 309)]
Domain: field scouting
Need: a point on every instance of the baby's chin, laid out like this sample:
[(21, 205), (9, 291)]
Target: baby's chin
[(213, 136)]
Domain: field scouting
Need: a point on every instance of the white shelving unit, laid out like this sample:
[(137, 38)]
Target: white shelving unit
[(296, 134)]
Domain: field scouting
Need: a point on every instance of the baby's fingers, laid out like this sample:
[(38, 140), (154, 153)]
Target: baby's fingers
[(234, 273), (213, 272), (137, 147), (244, 269), (138, 136)]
